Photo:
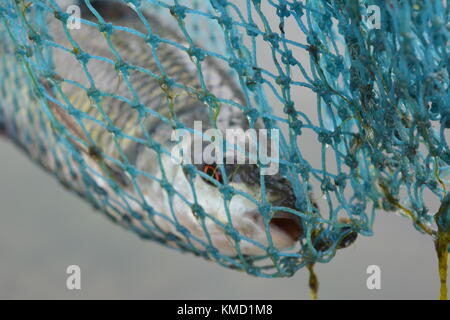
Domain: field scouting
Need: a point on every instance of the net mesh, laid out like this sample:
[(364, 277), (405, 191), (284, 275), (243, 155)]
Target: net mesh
[(377, 70)]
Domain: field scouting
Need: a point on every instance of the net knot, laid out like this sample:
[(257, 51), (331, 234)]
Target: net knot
[(196, 52), (297, 8), (219, 4), (153, 40), (178, 11), (23, 51), (327, 185), (297, 126), (283, 11), (198, 211), (273, 253), (341, 180), (273, 38), (227, 191), (61, 16), (148, 209), (288, 58), (265, 210), (283, 81), (94, 93), (325, 137), (225, 21), (252, 114), (105, 27), (168, 187), (77, 114), (81, 56), (122, 66), (35, 37), (238, 65), (232, 233)]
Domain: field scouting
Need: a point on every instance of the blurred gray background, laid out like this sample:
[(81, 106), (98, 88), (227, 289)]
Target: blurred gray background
[(44, 229)]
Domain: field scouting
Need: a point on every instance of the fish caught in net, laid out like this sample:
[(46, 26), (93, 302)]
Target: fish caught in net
[(188, 122)]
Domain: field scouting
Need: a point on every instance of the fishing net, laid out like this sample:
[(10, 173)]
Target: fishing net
[(372, 139)]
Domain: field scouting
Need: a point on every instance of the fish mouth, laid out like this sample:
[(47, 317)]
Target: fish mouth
[(284, 226), (288, 223)]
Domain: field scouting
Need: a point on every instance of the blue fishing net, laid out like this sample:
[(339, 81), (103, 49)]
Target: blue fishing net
[(373, 140)]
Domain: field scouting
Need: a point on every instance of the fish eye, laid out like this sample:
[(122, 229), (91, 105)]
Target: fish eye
[(213, 171)]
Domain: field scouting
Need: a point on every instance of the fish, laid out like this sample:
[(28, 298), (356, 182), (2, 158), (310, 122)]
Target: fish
[(110, 108)]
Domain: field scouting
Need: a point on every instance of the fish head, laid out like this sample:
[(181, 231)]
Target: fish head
[(233, 198)]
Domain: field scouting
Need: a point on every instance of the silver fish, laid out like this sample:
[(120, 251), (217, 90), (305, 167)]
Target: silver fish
[(113, 122)]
